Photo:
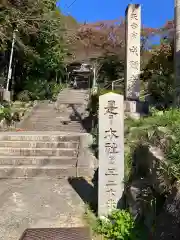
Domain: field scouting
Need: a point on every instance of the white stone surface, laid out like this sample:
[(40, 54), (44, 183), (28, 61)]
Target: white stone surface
[(111, 152), (133, 35)]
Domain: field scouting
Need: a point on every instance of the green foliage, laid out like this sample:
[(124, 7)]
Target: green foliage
[(112, 68), (6, 113), (161, 88), (40, 47), (158, 74), (39, 89), (24, 96), (161, 130), (118, 225), (55, 89), (104, 91), (128, 163), (13, 112)]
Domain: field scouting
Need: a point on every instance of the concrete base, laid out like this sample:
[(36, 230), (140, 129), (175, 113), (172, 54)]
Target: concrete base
[(133, 115), (6, 95), (38, 203), (87, 162), (135, 109)]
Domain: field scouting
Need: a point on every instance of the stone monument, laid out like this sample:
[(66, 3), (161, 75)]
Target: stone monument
[(133, 35), (111, 152), (132, 68)]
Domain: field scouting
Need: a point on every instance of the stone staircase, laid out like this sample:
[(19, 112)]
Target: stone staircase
[(49, 145), (65, 115), (73, 96), (37, 154)]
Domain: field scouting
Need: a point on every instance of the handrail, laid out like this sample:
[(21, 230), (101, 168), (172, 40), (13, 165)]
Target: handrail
[(113, 83), (117, 80), (107, 86)]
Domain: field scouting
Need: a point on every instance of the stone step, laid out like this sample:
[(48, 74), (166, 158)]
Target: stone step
[(49, 115), (53, 112), (73, 97), (35, 144), (52, 123), (38, 137), (37, 160), (59, 113), (45, 108), (47, 122), (70, 152), (30, 171), (41, 127), (74, 102), (55, 127), (48, 127), (44, 119)]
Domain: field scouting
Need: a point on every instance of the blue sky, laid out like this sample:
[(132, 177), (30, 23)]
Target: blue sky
[(154, 12)]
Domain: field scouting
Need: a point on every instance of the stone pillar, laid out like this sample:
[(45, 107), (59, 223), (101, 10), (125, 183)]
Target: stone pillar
[(111, 152), (177, 53), (132, 68), (133, 107)]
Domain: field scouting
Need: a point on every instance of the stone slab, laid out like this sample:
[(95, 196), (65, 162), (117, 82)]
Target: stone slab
[(57, 234), (38, 203)]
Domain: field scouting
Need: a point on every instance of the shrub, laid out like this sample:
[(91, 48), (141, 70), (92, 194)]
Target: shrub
[(119, 225), (37, 88), (55, 89), (42, 89), (5, 113), (1, 113), (24, 96), (16, 117)]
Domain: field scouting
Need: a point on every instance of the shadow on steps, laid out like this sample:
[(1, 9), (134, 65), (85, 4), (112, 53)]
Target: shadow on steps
[(87, 189), (86, 122)]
